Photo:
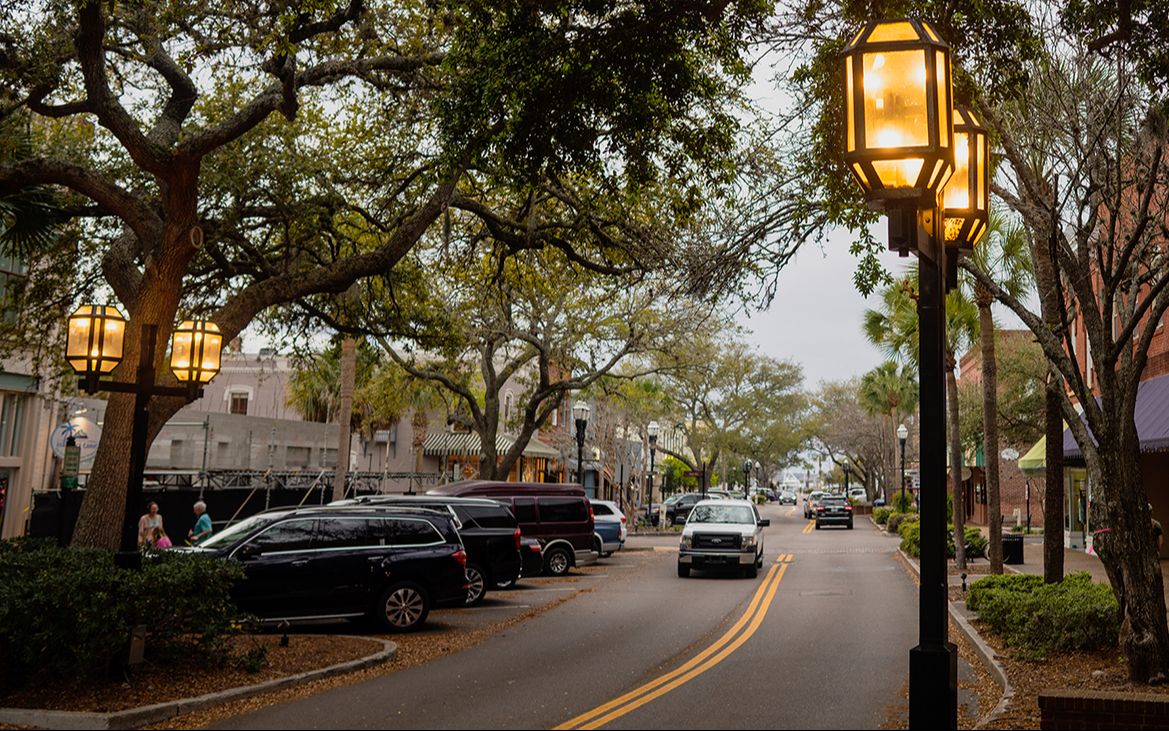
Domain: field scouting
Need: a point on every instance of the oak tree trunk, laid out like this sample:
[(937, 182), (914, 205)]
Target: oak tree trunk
[(345, 415), (1053, 490), (990, 425), (956, 465)]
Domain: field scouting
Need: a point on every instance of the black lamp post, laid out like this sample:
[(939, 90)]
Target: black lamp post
[(746, 479), (651, 431), (902, 435), (94, 348), (580, 412), (902, 145)]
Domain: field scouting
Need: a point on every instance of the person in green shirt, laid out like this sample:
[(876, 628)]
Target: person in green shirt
[(202, 529)]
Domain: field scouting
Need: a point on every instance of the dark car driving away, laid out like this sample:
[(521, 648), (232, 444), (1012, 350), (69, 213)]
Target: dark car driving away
[(489, 531), (833, 509), (393, 564)]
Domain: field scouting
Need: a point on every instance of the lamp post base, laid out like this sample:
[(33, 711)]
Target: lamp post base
[(933, 686)]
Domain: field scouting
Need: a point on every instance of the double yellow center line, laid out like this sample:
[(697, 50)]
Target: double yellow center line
[(808, 528), (699, 664)]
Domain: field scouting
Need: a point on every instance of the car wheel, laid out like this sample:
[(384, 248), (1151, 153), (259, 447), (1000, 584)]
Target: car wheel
[(817, 525), (850, 525), (683, 572), (403, 607), (557, 562), (476, 585), (751, 571), (599, 548)]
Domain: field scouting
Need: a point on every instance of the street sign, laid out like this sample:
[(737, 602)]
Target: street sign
[(692, 473), (72, 462)]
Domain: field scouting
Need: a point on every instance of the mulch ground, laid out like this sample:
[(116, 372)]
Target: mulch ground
[(154, 682)]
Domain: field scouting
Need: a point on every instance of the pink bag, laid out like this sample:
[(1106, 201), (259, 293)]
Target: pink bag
[(163, 542)]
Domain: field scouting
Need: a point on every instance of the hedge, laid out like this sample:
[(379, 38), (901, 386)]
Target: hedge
[(893, 525), (66, 614), (910, 532), (1039, 619), (881, 515)]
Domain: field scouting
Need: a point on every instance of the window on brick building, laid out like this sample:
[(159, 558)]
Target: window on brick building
[(239, 403)]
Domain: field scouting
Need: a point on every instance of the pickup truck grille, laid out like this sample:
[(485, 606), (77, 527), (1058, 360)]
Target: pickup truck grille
[(718, 541)]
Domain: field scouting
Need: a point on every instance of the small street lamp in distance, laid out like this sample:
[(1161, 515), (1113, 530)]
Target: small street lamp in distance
[(94, 348), (580, 412), (902, 435), (651, 431), (747, 479)]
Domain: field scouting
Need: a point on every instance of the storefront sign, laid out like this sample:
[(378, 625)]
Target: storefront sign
[(85, 433)]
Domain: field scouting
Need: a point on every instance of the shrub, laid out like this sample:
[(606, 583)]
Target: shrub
[(894, 523), (1039, 619), (910, 532), (902, 502), (67, 613), (881, 515)]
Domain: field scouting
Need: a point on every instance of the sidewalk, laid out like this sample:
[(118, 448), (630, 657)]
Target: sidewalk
[(1074, 561)]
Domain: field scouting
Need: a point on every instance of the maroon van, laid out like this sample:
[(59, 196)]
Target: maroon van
[(557, 515)]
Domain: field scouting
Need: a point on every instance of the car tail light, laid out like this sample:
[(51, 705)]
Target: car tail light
[(592, 516), (819, 507), (848, 507), (517, 539), (623, 519), (461, 556)]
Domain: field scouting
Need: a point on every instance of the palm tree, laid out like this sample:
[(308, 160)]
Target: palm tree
[(894, 328), (1005, 257), (891, 393)]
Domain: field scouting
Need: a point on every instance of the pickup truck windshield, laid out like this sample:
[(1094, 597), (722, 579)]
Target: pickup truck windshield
[(722, 514)]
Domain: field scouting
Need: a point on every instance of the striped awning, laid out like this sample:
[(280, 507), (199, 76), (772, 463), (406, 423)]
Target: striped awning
[(452, 444)]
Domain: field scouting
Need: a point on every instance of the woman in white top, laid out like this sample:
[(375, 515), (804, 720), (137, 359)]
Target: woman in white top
[(147, 523)]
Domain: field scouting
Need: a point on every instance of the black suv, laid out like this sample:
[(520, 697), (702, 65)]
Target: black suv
[(678, 511), (489, 531), (393, 564)]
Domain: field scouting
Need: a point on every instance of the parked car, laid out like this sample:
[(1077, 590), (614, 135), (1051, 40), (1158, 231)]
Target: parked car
[(610, 526), (558, 515), (722, 534), (532, 552), (392, 563), (811, 501), (858, 494), (787, 497), (677, 512), (490, 535), (833, 509), (653, 514)]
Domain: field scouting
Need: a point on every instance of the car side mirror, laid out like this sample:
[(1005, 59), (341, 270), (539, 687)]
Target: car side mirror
[(249, 550), (764, 522)]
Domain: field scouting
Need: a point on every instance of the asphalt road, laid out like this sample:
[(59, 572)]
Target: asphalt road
[(820, 640)]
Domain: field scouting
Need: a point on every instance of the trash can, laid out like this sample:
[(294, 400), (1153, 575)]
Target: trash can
[(1012, 548)]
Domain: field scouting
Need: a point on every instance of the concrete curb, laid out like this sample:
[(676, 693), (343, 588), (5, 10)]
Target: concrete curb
[(144, 715), (981, 648)]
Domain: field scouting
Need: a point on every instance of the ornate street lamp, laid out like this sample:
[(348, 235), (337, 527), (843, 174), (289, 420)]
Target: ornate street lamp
[(580, 412), (95, 340), (747, 479), (195, 351), (966, 198), (94, 348), (899, 145), (651, 431), (902, 435), (898, 133)]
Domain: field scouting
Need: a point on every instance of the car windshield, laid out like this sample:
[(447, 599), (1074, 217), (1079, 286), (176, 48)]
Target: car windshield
[(722, 514), (233, 533), (834, 501)]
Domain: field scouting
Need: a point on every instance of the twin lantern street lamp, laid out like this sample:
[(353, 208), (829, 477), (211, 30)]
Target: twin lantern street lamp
[(926, 164), (95, 347), (651, 431)]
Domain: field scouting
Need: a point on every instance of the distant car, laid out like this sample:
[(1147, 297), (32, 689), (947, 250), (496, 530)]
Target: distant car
[(858, 494), (394, 564), (787, 497), (722, 534), (833, 509), (811, 501), (609, 523)]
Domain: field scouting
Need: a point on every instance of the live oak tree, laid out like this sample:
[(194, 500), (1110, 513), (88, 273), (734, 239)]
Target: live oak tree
[(225, 159)]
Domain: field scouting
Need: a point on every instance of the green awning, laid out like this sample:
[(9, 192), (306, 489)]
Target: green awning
[(1036, 458)]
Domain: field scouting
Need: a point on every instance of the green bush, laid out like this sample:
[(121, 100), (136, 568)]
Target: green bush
[(67, 613), (902, 502), (881, 515), (910, 532), (1039, 619), (893, 525)]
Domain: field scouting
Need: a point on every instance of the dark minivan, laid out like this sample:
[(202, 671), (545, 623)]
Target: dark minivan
[(558, 515), (490, 535), (393, 564)]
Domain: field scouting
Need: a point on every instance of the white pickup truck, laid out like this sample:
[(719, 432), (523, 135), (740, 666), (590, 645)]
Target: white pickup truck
[(722, 534)]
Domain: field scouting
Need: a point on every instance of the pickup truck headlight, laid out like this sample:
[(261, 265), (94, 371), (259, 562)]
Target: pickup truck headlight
[(687, 541), (749, 541)]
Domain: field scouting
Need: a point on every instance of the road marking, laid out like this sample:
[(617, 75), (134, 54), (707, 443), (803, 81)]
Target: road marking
[(699, 664), (808, 528), (792, 511)]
